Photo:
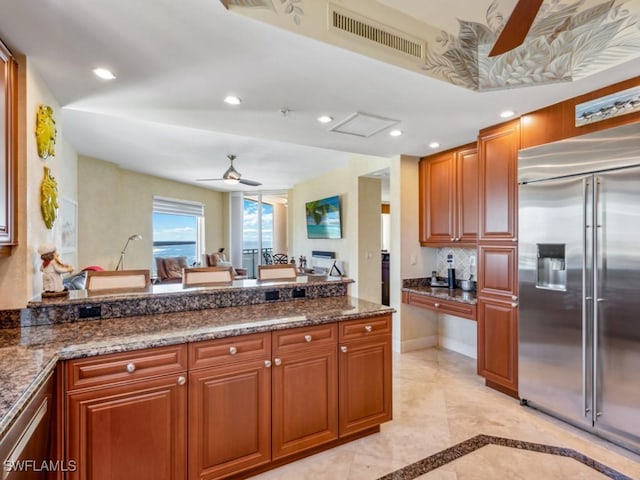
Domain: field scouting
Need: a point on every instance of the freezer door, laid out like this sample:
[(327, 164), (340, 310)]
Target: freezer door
[(617, 320), (554, 232)]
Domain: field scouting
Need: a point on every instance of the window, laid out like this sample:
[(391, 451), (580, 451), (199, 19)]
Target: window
[(178, 229), (257, 233)]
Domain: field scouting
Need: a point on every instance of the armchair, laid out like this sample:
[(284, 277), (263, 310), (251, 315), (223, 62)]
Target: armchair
[(219, 260), (169, 269)]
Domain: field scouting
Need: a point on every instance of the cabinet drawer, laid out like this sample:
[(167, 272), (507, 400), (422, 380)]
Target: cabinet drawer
[(365, 327), (122, 367), (464, 310), (222, 351), (295, 338)]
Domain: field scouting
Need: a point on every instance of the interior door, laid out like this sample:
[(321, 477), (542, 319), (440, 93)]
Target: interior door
[(618, 303), (554, 365)]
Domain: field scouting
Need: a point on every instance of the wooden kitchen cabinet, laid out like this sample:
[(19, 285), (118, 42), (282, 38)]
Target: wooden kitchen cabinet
[(498, 189), (128, 420), (8, 149), (133, 431), (448, 201), (498, 272), (498, 344), (364, 374), (230, 405), (304, 389)]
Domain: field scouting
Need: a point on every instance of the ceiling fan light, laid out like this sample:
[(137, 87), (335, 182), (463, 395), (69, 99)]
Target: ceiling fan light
[(231, 181)]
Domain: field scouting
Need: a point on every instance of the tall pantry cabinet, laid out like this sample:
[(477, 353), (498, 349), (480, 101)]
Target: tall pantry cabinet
[(498, 256)]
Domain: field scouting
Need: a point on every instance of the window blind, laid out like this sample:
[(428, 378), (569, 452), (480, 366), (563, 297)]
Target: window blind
[(177, 207)]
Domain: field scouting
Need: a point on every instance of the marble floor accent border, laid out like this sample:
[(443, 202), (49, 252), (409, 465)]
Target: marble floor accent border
[(450, 454)]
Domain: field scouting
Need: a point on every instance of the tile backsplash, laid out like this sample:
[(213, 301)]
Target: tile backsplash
[(461, 262)]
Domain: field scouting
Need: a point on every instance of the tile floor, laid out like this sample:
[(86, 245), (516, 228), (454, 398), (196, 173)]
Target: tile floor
[(439, 401)]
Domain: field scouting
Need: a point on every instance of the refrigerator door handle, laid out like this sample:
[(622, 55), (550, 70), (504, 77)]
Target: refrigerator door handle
[(585, 298), (596, 291)]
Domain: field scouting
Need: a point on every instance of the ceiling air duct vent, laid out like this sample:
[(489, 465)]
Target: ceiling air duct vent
[(363, 124), (364, 28)]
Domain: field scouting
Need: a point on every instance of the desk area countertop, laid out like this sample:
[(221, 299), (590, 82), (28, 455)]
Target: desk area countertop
[(422, 286), (29, 353)]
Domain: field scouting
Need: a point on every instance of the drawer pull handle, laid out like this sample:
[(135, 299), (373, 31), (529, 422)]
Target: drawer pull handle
[(277, 361), (436, 305), (343, 349), (182, 380), (267, 363), (308, 338), (368, 328), (233, 350), (131, 367)]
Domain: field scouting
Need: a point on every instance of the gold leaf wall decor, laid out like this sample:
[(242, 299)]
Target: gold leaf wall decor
[(49, 198), (45, 132)]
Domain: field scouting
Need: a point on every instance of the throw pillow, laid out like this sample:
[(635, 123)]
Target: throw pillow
[(174, 266)]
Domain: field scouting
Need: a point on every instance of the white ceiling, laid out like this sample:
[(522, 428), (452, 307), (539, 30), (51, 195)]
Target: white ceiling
[(175, 61)]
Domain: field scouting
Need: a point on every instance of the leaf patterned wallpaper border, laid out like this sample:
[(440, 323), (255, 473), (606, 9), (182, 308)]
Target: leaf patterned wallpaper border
[(567, 41)]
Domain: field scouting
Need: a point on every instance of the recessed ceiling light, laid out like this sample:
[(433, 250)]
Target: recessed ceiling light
[(507, 114), (232, 100), (103, 73), (434, 145), (395, 133), (325, 119)]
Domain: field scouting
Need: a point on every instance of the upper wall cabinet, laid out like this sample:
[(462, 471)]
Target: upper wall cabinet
[(498, 214), (449, 197), (8, 129)]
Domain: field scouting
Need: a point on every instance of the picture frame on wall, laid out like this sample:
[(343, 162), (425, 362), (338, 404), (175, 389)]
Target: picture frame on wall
[(68, 225)]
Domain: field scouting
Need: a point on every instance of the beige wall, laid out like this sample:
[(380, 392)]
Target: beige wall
[(20, 279), (115, 203), (413, 328), (344, 182), (280, 244), (369, 245)]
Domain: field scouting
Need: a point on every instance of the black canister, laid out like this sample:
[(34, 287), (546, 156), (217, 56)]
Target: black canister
[(451, 278)]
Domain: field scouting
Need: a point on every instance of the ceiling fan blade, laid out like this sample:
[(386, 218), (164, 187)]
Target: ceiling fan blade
[(207, 179), (251, 183), (517, 27)]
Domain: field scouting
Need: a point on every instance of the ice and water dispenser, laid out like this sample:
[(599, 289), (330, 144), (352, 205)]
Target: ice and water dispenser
[(552, 266)]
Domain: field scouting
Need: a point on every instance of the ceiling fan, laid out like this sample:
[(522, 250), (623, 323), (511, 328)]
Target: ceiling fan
[(231, 176), (517, 27)]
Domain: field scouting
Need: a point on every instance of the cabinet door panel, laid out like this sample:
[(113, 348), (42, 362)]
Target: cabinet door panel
[(498, 271), (467, 195), (365, 384), (230, 421), (438, 209), (130, 432), (498, 342), (304, 400), (498, 150)]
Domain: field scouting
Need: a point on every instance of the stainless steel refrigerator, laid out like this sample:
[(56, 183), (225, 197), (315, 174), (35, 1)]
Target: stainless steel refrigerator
[(579, 281)]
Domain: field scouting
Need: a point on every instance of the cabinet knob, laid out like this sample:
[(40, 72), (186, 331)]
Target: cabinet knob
[(368, 328), (436, 305), (514, 297), (131, 367), (453, 239), (182, 380), (343, 349), (457, 239), (267, 363), (308, 338), (233, 350), (277, 361), (514, 304)]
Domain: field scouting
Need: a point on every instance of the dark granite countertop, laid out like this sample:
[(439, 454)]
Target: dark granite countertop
[(29, 354), (422, 286)]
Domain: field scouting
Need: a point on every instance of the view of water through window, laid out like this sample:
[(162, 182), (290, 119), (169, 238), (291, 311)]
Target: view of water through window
[(175, 236)]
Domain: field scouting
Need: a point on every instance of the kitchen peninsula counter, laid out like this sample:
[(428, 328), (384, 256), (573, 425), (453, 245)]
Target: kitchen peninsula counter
[(30, 353)]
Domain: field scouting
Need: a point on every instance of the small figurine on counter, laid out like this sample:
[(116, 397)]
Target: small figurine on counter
[(52, 269)]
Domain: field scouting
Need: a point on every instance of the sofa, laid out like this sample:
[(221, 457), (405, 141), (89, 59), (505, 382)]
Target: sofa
[(219, 260)]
